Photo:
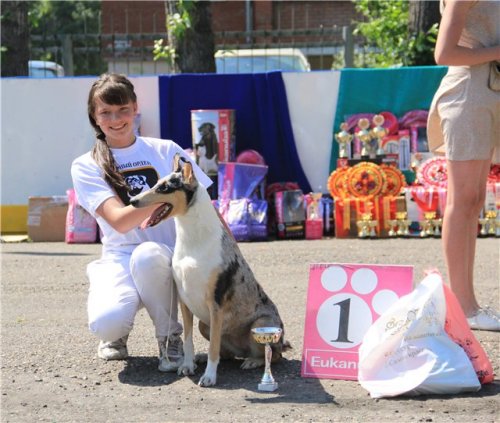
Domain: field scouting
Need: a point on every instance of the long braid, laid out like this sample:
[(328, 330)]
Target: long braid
[(101, 153), (112, 89)]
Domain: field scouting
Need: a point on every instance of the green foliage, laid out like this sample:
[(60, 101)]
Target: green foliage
[(386, 31), (50, 20), (177, 24)]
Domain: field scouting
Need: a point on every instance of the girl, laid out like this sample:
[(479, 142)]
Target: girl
[(135, 266), (465, 119)]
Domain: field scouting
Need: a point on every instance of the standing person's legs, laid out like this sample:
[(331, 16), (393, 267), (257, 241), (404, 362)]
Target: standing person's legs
[(113, 302), (465, 198), (151, 269)]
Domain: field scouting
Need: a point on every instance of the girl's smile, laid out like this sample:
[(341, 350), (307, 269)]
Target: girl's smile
[(117, 122)]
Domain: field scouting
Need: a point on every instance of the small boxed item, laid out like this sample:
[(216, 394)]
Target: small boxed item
[(213, 133), (47, 218)]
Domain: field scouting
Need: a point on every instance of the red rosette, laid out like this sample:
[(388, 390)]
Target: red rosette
[(494, 174), (336, 182), (365, 180), (395, 180), (433, 173)]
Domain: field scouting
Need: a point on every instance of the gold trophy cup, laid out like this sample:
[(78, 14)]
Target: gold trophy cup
[(343, 138), (378, 133), (364, 136), (267, 336)]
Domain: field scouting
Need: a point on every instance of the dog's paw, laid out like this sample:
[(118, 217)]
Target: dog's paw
[(186, 369), (252, 363), (208, 379)]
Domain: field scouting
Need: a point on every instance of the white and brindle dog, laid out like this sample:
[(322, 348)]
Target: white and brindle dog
[(213, 280)]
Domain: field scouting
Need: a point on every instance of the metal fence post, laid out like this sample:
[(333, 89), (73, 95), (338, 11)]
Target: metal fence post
[(348, 46), (67, 55)]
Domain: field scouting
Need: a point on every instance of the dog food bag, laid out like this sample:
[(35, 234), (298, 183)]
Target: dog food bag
[(290, 214), (81, 227), (213, 134)]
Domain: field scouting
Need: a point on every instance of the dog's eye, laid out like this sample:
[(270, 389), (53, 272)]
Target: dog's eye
[(174, 182), (162, 188)]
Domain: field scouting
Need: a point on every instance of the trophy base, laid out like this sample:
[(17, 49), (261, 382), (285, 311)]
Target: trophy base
[(268, 387)]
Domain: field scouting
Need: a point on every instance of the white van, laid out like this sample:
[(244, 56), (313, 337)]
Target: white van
[(44, 69), (261, 60)]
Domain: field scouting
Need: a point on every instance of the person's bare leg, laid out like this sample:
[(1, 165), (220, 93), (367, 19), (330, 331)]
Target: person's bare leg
[(466, 190)]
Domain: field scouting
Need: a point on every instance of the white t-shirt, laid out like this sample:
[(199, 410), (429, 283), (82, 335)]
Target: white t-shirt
[(142, 165)]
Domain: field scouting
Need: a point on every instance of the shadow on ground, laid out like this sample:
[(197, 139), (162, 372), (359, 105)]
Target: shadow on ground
[(142, 371)]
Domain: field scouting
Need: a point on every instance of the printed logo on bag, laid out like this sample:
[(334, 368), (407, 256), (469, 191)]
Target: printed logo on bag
[(343, 301)]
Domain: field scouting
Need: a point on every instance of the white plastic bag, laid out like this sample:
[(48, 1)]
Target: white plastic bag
[(407, 351)]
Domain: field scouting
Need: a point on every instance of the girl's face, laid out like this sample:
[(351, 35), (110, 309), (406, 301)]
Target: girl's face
[(117, 122)]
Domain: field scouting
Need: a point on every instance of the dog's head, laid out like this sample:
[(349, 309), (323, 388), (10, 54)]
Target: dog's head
[(206, 128), (173, 193)]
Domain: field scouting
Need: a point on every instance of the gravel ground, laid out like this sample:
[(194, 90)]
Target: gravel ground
[(50, 372)]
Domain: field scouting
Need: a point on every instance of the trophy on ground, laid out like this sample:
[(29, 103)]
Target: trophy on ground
[(267, 336)]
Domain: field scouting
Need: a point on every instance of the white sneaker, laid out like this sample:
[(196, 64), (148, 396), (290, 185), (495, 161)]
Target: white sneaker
[(171, 353), (113, 350), (485, 319)]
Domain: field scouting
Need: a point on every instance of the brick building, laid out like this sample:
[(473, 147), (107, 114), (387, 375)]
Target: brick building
[(129, 29)]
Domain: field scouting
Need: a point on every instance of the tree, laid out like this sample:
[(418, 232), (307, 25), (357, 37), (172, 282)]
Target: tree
[(53, 23), (395, 42), (15, 38), (423, 17), (191, 41)]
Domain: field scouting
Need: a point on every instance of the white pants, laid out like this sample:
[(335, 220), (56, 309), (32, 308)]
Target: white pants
[(121, 285)]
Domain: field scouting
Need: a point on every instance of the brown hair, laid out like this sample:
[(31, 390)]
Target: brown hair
[(114, 89)]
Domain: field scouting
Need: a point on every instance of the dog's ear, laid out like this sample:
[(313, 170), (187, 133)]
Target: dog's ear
[(177, 163), (188, 174)]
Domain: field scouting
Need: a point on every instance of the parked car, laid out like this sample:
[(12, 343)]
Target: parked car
[(44, 69), (261, 60)]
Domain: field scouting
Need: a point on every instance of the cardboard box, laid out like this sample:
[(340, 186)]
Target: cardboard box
[(47, 218)]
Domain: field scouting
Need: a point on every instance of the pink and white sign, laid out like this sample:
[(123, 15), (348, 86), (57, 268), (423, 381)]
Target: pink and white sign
[(343, 301)]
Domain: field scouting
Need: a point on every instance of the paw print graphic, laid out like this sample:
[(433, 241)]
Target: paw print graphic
[(357, 296)]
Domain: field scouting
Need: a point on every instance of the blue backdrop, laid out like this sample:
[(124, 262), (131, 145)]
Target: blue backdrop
[(262, 117)]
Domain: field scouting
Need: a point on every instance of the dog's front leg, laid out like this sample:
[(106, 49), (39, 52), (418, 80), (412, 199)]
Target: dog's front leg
[(209, 378), (188, 366)]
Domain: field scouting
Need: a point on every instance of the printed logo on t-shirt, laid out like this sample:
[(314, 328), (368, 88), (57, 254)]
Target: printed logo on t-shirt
[(138, 180)]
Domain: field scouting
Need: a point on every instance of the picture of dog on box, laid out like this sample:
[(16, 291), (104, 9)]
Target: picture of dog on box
[(207, 148), (213, 279)]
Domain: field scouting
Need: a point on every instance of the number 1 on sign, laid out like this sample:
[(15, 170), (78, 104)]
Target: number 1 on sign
[(343, 331)]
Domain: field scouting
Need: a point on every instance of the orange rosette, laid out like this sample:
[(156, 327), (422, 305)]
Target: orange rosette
[(395, 180), (336, 183), (365, 180)]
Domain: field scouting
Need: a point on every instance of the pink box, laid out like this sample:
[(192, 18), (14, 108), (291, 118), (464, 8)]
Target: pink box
[(314, 228), (343, 301)]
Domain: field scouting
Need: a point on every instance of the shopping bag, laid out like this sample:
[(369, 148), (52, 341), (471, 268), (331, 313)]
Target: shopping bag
[(407, 350), (458, 330)]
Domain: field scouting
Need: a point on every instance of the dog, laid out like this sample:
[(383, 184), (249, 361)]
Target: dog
[(213, 280), (209, 139)]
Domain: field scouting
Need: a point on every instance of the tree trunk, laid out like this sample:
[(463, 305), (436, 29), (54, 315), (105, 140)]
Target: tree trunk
[(196, 46), (15, 38), (422, 15)]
